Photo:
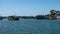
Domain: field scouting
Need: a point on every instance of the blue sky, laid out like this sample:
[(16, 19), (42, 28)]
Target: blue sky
[(28, 7)]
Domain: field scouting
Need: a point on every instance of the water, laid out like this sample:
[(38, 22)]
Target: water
[(30, 26)]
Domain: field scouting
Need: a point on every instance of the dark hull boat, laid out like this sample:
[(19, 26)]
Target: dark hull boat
[(1, 18), (13, 18)]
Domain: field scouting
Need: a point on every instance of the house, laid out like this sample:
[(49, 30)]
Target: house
[(58, 17)]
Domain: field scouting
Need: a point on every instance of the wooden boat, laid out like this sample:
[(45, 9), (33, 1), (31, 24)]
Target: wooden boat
[(13, 18)]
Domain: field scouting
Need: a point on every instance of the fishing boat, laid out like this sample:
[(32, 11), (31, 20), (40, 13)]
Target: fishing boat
[(13, 17)]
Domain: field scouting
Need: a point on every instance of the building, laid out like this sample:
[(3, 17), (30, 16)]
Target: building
[(58, 17)]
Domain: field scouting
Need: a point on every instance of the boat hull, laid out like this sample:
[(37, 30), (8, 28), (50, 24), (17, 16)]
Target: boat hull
[(13, 18)]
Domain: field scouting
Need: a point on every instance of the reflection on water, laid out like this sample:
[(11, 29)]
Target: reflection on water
[(30, 26)]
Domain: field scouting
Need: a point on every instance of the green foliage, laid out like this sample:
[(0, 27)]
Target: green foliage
[(54, 12)]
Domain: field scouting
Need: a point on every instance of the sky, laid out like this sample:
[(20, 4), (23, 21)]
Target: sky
[(28, 7)]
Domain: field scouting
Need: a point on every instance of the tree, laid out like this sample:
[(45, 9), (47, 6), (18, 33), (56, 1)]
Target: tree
[(57, 12), (52, 13)]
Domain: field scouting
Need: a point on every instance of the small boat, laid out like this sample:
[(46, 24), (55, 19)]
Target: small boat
[(13, 18), (1, 18)]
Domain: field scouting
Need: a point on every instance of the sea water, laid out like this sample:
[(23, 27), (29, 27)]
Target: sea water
[(29, 26)]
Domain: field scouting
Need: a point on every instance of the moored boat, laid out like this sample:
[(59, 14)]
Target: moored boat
[(1, 17), (13, 17)]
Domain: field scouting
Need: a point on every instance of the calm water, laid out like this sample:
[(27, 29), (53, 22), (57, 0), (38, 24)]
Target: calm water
[(30, 26)]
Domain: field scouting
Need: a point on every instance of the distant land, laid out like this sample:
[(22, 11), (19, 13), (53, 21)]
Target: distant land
[(54, 14)]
